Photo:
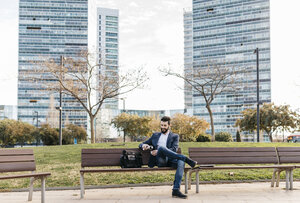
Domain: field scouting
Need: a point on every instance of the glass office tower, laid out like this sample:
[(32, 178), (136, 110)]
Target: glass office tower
[(49, 29), (188, 54), (108, 47), (226, 32)]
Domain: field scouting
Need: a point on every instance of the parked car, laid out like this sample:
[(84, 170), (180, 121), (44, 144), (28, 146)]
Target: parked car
[(295, 137)]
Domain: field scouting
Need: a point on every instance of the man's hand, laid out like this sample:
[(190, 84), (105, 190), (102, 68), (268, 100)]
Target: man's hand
[(145, 146), (154, 152)]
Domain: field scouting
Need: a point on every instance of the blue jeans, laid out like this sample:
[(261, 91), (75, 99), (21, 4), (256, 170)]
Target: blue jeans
[(166, 157)]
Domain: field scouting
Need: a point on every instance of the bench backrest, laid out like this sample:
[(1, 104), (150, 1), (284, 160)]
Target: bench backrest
[(13, 160), (233, 155), (109, 157), (288, 154)]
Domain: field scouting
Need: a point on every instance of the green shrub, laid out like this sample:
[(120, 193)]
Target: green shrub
[(203, 138), (223, 137), (49, 136)]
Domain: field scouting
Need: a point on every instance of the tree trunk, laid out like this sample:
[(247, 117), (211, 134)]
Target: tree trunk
[(124, 134), (270, 137), (92, 118), (211, 123)]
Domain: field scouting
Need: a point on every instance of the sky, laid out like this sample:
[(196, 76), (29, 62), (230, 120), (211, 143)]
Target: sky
[(151, 36)]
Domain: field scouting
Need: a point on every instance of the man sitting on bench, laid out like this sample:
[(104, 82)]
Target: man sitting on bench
[(163, 148)]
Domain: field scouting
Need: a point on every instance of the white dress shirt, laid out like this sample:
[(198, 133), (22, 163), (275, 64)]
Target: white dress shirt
[(163, 140)]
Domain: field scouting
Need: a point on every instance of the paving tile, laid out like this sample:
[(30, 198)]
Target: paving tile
[(209, 193)]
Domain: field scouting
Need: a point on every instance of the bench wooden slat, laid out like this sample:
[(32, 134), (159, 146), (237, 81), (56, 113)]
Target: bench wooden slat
[(232, 154), (101, 156), (127, 169), (290, 153), (25, 175), (17, 166), (231, 149), (108, 151), (245, 167), (292, 159), (235, 160), (11, 159), (13, 152), (288, 149), (100, 162)]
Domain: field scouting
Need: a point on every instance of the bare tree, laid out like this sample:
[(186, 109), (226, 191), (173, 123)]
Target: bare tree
[(209, 82), (88, 82)]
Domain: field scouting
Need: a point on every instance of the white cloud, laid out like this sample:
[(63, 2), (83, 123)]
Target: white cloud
[(133, 4), (170, 3)]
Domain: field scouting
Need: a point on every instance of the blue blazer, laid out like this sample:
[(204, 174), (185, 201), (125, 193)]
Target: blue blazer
[(172, 144)]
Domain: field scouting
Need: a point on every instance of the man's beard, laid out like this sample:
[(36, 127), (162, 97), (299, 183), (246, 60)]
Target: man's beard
[(163, 130)]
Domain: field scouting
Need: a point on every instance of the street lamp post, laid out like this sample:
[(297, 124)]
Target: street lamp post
[(257, 90), (123, 99), (60, 104), (37, 118)]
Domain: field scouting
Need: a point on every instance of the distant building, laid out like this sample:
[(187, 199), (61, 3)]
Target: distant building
[(108, 48), (156, 113), (142, 113), (103, 128), (8, 112), (226, 32), (188, 55)]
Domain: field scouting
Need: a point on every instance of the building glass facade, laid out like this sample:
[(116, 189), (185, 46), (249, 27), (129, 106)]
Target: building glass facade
[(108, 48), (188, 55), (8, 112), (49, 29), (227, 32)]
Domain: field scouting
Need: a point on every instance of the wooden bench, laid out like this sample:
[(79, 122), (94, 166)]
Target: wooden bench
[(288, 155), (16, 160), (111, 158), (239, 155)]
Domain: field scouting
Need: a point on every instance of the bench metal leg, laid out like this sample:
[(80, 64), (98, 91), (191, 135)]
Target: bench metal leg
[(186, 182), (190, 179), (278, 178), (273, 177), (43, 181), (197, 181), (291, 179), (287, 179), (82, 192), (30, 189)]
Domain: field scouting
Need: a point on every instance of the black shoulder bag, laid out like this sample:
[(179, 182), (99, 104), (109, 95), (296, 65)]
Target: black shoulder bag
[(130, 159)]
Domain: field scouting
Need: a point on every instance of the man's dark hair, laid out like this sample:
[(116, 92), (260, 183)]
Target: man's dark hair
[(166, 119)]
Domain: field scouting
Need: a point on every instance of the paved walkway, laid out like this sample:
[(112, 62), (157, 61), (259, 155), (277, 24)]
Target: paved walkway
[(239, 192)]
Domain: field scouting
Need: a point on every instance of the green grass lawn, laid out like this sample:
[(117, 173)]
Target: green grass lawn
[(64, 164)]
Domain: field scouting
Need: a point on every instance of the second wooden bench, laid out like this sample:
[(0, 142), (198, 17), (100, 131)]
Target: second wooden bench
[(20, 160), (250, 157)]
